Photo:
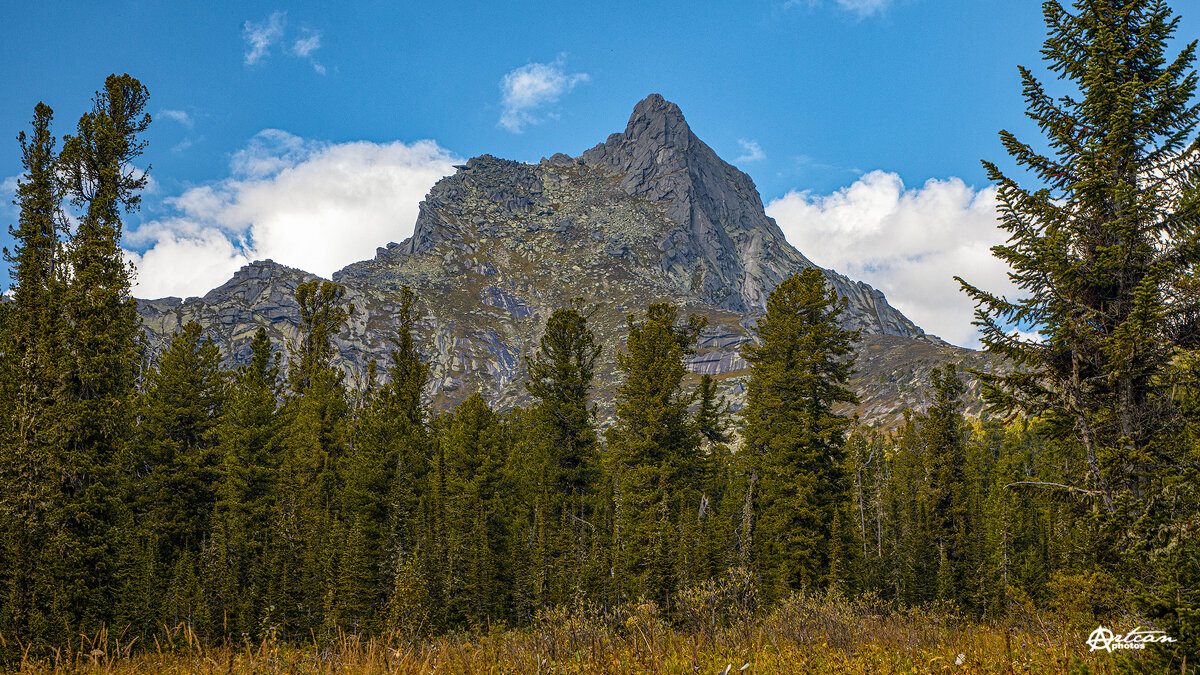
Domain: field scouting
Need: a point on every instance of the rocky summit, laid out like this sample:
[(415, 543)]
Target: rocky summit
[(650, 215)]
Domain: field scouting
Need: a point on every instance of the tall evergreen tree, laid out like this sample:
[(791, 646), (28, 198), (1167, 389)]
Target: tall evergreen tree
[(943, 433), (474, 539), (247, 493), (655, 458), (1104, 247), (313, 436), (390, 462), (101, 349), (30, 337), (794, 444), (719, 506), (566, 459), (1103, 240), (177, 458)]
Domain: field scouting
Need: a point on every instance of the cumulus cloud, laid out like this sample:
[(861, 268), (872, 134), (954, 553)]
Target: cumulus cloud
[(312, 205), (908, 243), (261, 35), (752, 151), (526, 91)]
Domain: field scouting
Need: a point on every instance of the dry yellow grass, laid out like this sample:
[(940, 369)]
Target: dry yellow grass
[(801, 636)]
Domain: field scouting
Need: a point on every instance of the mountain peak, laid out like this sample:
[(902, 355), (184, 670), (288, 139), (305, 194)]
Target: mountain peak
[(717, 208), (659, 122)]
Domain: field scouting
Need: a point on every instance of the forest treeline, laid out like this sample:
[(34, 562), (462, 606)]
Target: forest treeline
[(275, 500)]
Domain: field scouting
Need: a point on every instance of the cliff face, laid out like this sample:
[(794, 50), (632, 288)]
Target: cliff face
[(650, 215), (723, 248)]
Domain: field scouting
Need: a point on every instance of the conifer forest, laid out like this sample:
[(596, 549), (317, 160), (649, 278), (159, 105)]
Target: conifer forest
[(158, 510)]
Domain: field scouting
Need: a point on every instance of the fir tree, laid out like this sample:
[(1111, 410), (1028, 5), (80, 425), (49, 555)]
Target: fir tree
[(177, 457), (655, 458), (718, 512), (1102, 241), (390, 458), (247, 493), (31, 330), (313, 437), (1104, 246), (566, 461), (474, 538), (943, 435), (95, 396), (794, 443)]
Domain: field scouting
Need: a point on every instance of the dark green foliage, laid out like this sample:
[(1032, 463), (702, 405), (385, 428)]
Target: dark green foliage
[(284, 505), (30, 337), (719, 504), (1105, 247), (75, 329), (471, 511), (177, 458), (560, 377), (1103, 242), (794, 446), (388, 464), (655, 460), (237, 555), (561, 462)]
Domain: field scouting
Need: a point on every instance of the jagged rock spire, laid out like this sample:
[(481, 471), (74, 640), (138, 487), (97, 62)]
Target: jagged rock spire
[(717, 207)]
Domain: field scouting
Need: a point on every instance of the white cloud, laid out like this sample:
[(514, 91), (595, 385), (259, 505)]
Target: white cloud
[(304, 47), (908, 243), (315, 206), (530, 88), (185, 263), (8, 191), (864, 8), (308, 44), (260, 36), (179, 116), (753, 151)]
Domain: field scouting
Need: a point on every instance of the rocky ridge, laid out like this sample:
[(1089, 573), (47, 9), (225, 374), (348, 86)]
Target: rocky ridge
[(650, 215)]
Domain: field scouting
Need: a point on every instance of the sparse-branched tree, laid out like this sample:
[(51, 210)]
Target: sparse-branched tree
[(1104, 247)]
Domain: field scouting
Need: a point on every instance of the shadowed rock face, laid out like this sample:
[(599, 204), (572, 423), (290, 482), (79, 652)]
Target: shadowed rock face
[(650, 215), (724, 249)]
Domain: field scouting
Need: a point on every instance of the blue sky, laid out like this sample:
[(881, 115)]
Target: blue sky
[(283, 129)]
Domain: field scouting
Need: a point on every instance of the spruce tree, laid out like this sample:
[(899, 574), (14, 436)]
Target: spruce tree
[(942, 434), (1103, 238), (98, 368), (1104, 246), (313, 437), (177, 457), (655, 458), (794, 443), (475, 539), (30, 337), (566, 459), (247, 492), (719, 506), (390, 461)]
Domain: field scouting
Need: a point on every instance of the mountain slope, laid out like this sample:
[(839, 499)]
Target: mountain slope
[(650, 215)]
